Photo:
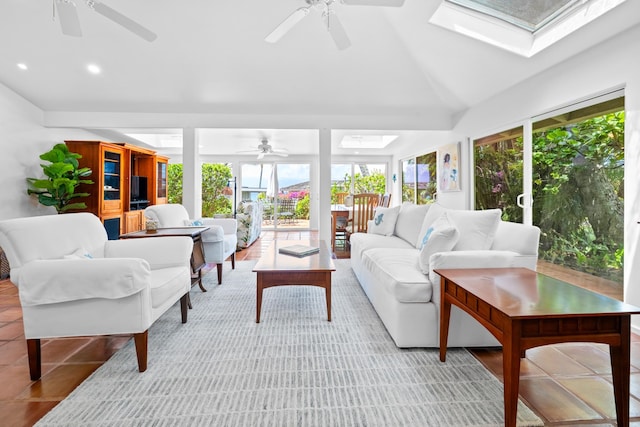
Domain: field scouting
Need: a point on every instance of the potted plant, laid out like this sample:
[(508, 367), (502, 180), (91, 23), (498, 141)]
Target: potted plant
[(63, 175)]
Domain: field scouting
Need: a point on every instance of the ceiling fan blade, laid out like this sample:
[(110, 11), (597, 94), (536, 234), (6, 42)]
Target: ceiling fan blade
[(68, 16), (280, 153), (260, 156), (287, 25), (391, 3), (127, 23), (339, 35)]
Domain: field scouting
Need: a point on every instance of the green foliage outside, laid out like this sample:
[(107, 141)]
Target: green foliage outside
[(215, 177), (578, 184), (375, 182), (63, 176)]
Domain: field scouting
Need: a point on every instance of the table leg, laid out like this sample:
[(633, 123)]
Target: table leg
[(258, 296), (620, 369), (445, 314), (511, 352), (327, 289)]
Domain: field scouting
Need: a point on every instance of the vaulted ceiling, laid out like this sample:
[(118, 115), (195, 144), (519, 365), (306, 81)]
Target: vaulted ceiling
[(210, 57)]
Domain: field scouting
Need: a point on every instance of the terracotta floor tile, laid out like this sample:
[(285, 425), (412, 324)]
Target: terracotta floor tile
[(588, 355), (492, 359), (59, 349), (10, 314), (11, 331), (59, 382), (12, 351), (598, 394), (24, 413), (15, 380), (555, 403), (554, 362), (99, 349)]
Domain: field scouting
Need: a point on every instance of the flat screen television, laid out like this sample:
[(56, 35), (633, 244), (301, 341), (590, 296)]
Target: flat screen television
[(138, 188)]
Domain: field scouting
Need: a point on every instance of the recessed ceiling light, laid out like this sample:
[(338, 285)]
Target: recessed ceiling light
[(93, 69), (22, 66)]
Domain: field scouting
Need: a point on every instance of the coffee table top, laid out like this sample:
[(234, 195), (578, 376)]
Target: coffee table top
[(272, 260), (170, 231), (520, 292)]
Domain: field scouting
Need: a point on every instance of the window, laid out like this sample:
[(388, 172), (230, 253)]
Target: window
[(419, 180)]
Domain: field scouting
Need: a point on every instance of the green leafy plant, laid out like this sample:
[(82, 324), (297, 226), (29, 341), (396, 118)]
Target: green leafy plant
[(63, 176)]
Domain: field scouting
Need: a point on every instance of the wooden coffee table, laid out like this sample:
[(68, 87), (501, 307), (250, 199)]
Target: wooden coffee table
[(276, 269), (525, 309)]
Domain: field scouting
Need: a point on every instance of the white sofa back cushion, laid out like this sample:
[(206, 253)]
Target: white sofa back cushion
[(477, 228), (410, 219), (442, 236), (384, 221), (170, 215)]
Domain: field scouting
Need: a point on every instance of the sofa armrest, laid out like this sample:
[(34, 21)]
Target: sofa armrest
[(60, 280), (229, 225), (469, 259), (159, 252)]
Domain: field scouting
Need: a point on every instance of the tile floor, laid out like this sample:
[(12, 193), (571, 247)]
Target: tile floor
[(566, 385)]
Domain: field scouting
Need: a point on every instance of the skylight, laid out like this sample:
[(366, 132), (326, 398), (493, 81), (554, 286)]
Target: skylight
[(367, 141), (524, 27)]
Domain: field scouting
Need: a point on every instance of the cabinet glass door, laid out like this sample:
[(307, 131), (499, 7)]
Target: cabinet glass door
[(111, 175), (162, 180)]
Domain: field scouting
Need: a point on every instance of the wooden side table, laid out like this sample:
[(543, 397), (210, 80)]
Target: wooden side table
[(197, 255)]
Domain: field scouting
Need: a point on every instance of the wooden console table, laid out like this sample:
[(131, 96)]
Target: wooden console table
[(197, 255), (524, 309)]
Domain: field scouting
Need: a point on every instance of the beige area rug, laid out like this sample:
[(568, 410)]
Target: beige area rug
[(292, 369)]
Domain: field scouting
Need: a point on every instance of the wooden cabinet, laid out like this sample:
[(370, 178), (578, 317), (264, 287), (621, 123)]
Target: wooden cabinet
[(133, 221), (126, 180)]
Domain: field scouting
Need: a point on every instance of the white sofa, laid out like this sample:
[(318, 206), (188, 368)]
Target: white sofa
[(249, 217), (398, 278), (72, 281), (219, 241)]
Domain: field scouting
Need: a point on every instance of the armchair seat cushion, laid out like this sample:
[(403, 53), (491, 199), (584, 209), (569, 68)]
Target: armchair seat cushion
[(165, 283)]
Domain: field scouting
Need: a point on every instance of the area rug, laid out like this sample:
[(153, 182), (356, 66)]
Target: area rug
[(293, 369)]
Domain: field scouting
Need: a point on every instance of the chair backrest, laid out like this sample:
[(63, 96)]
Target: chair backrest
[(363, 207), (385, 200), (287, 205), (50, 237), (339, 198), (169, 215)]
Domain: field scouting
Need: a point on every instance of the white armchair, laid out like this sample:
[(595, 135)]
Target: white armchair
[(219, 242), (72, 281)]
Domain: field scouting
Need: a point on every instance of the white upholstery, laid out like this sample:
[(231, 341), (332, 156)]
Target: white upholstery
[(219, 241), (407, 300), (122, 289)]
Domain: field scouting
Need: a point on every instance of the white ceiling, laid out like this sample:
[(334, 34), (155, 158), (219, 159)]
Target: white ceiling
[(210, 58)]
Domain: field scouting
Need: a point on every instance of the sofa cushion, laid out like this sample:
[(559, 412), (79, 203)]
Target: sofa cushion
[(399, 272), (362, 242), (477, 228), (384, 221), (165, 282), (441, 236), (410, 218)]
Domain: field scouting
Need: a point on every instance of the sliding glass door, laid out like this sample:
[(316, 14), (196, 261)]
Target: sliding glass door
[(576, 164)]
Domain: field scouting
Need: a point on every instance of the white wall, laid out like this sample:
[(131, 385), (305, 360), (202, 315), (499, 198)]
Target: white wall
[(22, 140), (613, 64)]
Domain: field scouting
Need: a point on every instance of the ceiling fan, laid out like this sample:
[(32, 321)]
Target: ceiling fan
[(265, 149), (70, 24), (331, 21)]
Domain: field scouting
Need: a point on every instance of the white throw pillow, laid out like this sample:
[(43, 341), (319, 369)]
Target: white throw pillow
[(80, 253), (441, 236), (435, 211), (477, 228), (410, 218), (384, 221)]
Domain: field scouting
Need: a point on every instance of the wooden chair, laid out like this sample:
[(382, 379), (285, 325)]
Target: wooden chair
[(339, 198), (385, 200), (361, 212)]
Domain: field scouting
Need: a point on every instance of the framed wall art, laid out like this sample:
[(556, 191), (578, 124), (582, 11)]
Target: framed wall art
[(449, 167)]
